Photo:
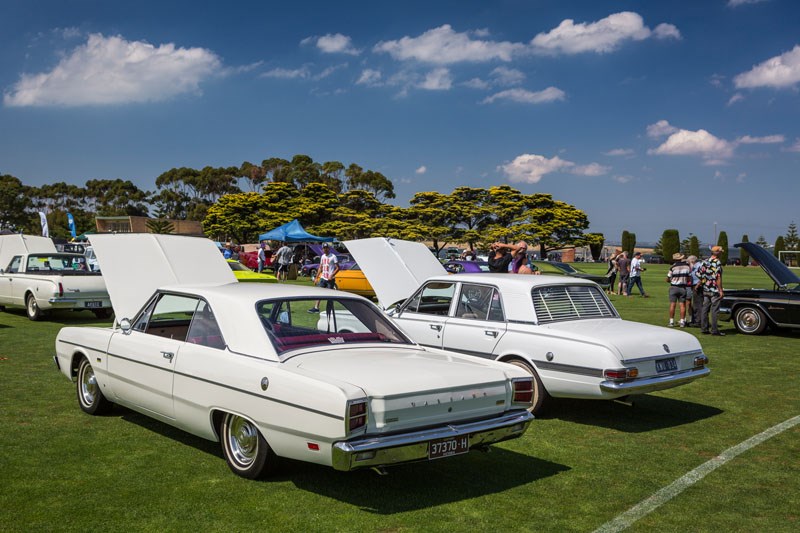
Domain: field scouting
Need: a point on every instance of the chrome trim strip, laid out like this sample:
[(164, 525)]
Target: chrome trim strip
[(569, 369), (662, 356), (413, 446), (81, 345), (645, 385), (62, 301)]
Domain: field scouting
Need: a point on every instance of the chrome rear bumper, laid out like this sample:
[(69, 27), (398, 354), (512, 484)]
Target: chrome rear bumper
[(645, 385), (408, 447)]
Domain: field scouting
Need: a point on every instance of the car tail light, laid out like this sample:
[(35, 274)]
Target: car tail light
[(60, 289), (522, 391), (700, 361), (621, 373), (356, 415)]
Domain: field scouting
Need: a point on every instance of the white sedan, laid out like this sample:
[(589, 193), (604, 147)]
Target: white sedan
[(248, 366), (563, 331)]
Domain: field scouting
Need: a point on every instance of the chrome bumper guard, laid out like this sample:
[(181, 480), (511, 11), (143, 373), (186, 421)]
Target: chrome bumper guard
[(645, 385), (388, 450), (62, 301)]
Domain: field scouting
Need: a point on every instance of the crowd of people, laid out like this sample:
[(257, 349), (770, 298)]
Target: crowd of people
[(695, 286)]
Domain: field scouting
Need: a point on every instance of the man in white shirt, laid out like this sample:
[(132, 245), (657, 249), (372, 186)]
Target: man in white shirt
[(326, 274), (637, 266)]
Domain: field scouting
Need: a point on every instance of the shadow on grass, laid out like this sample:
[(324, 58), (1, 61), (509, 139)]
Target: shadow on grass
[(647, 414), (405, 488), (64, 317)]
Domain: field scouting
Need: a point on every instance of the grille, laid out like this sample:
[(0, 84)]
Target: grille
[(554, 304)]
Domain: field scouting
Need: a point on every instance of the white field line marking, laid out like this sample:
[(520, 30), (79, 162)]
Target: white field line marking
[(661, 497)]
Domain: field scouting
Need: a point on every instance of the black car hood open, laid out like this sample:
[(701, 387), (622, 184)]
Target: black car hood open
[(779, 272)]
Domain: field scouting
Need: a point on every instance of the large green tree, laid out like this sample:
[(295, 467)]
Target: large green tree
[(791, 240), (628, 242), (744, 257), (723, 241), (670, 243), (14, 203)]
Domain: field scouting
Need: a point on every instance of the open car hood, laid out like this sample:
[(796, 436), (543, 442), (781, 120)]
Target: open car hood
[(134, 265), (11, 245), (779, 272), (393, 267)]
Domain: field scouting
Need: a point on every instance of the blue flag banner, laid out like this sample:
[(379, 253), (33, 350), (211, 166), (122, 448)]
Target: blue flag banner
[(71, 224)]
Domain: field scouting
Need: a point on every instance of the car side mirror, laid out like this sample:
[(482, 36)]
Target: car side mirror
[(125, 325)]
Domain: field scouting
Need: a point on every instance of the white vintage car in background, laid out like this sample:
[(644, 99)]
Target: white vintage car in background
[(247, 365), (563, 331), (38, 278)]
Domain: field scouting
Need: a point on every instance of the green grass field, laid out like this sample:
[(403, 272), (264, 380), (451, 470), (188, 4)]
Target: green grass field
[(578, 467)]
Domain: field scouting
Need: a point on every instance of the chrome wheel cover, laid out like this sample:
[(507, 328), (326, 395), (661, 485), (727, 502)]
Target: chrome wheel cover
[(88, 385), (32, 307), (748, 320), (242, 441)]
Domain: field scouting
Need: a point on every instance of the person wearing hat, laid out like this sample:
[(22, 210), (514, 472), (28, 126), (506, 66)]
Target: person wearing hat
[(679, 278), (637, 267), (326, 274), (710, 274)]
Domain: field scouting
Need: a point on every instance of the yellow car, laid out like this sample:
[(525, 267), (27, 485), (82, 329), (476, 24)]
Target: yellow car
[(353, 280), (244, 274)]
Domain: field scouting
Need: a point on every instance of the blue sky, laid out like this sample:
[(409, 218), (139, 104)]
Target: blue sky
[(647, 115)]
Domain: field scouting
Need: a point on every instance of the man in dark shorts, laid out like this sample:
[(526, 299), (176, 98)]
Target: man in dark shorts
[(624, 265), (679, 278)]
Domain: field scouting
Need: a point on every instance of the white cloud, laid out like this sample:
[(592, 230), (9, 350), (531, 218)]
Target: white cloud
[(735, 98), (477, 83), (620, 152), (370, 77), (778, 72), (769, 139), (662, 128), (697, 143), (421, 170), (622, 179), (740, 178), (531, 167), (445, 46), (330, 70), (794, 147), (333, 43), (605, 35), (111, 70), (288, 74), (592, 169), (523, 96), (737, 3), (437, 80), (507, 76)]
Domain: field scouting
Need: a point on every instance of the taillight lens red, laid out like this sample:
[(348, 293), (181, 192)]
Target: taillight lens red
[(357, 415), (522, 391), (621, 373), (60, 290)]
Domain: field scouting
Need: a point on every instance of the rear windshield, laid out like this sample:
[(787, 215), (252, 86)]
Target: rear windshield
[(304, 323), (57, 264), (570, 302)]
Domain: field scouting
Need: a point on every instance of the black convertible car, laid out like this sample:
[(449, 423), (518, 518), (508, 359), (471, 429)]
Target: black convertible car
[(752, 310)]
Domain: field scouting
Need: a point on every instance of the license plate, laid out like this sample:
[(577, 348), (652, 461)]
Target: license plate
[(665, 365), (447, 447), (93, 304)]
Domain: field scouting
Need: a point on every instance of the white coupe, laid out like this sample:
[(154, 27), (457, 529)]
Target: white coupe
[(248, 366), (563, 331)]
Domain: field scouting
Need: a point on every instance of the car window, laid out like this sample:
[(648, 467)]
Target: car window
[(13, 266), (479, 302), (172, 316), (433, 299), (293, 323), (570, 302), (204, 329)]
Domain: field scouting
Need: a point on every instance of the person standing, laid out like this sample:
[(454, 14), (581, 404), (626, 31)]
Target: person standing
[(499, 259), (624, 269), (284, 258), (235, 253), (262, 257), (694, 297), (711, 276), (611, 273), (227, 253), (679, 278), (519, 256), (637, 267), (328, 268)]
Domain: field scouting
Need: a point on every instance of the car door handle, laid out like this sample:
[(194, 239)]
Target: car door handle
[(168, 355), (437, 327), (490, 333)]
